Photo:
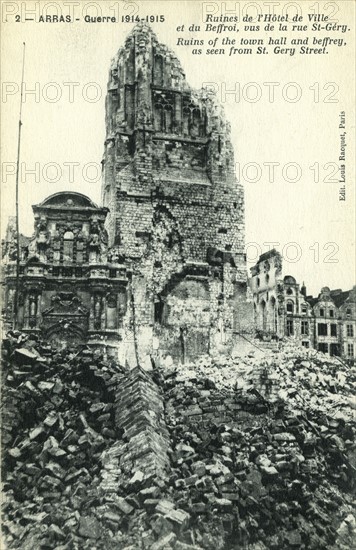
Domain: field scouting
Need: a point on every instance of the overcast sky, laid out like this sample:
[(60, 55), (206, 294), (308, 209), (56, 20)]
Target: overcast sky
[(271, 130)]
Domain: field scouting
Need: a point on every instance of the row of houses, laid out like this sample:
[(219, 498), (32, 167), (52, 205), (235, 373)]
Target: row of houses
[(282, 308)]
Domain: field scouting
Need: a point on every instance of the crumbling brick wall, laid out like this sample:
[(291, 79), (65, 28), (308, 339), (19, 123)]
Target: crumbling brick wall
[(169, 182)]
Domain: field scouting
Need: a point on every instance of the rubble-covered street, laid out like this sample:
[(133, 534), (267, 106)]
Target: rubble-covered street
[(252, 452)]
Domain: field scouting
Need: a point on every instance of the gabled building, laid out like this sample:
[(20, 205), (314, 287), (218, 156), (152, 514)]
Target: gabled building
[(280, 306), (334, 313), (347, 315), (265, 284)]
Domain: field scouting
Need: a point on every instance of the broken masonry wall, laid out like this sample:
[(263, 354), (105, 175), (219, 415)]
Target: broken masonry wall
[(180, 158), (169, 182)]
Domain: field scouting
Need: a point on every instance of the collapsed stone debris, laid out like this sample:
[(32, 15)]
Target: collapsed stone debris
[(254, 451)]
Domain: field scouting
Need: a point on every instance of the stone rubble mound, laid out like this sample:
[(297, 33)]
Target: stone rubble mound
[(253, 452), (263, 449)]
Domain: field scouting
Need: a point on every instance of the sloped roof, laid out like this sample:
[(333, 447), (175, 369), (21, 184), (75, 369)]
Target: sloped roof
[(339, 297)]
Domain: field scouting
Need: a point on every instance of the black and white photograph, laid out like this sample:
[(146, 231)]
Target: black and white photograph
[(178, 282)]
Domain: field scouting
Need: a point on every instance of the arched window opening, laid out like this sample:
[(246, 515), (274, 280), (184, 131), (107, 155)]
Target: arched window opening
[(290, 327), (163, 119), (68, 240), (195, 129), (158, 70), (167, 121)]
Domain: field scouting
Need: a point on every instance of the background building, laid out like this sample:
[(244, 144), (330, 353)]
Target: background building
[(282, 309), (334, 315)]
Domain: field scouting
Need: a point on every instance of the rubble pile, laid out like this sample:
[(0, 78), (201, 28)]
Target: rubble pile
[(86, 452), (254, 452), (58, 418), (303, 377), (263, 450)]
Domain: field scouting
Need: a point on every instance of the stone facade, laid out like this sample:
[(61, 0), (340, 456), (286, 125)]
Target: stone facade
[(280, 305), (176, 212), (334, 314), (283, 309), (267, 289), (71, 288)]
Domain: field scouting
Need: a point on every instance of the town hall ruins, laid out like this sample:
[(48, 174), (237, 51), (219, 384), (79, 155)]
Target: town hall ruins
[(157, 272), (159, 269)]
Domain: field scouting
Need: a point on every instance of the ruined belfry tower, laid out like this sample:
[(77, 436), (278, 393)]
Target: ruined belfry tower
[(176, 211)]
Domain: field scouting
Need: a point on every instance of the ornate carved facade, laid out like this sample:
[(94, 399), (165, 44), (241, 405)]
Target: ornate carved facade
[(71, 288)]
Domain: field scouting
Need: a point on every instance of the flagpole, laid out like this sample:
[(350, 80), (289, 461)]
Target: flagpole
[(17, 292)]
